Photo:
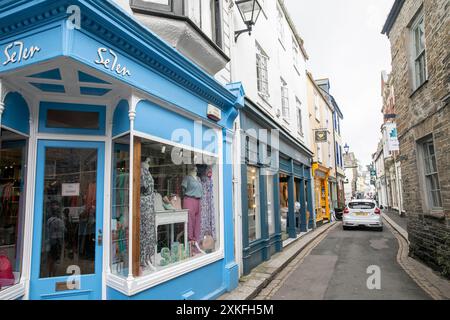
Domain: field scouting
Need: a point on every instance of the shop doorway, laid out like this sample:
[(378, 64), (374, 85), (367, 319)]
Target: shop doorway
[(68, 221)]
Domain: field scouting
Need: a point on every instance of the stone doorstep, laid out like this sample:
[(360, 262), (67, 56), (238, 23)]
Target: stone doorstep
[(419, 271), (268, 272)]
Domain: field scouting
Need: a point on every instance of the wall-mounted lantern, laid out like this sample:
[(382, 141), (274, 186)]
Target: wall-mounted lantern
[(250, 11), (346, 148)]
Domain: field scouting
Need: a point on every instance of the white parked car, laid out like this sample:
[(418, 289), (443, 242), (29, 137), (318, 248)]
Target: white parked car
[(362, 213)]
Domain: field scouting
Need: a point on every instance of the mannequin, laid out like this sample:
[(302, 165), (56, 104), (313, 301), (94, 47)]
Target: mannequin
[(193, 192), (148, 232)]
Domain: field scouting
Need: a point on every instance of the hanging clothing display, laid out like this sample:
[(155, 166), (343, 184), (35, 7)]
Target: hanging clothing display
[(208, 219), (194, 225), (148, 232)]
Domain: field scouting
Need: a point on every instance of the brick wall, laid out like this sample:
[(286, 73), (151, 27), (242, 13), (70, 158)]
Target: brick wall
[(421, 113)]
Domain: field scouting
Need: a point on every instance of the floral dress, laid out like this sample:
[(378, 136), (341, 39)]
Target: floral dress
[(208, 221), (148, 232)]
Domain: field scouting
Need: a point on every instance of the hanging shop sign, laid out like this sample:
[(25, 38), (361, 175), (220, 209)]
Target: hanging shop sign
[(16, 52), (321, 136), (214, 113), (110, 60), (391, 142)]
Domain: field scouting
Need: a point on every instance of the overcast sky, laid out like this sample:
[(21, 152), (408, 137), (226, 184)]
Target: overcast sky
[(344, 42)]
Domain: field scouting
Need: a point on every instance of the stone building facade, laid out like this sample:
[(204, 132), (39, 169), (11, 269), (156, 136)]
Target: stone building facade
[(418, 31)]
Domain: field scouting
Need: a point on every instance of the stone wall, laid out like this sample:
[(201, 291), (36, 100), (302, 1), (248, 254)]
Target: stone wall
[(421, 113)]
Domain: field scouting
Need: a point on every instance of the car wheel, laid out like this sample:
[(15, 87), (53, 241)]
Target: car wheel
[(380, 229), (346, 228)]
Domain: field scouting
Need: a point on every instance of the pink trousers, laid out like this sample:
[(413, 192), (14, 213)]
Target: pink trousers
[(194, 224)]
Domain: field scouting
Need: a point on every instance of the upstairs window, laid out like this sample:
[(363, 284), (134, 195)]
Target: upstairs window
[(262, 74), (419, 51), (285, 100), (316, 106), (205, 14), (299, 118), (295, 53), (280, 24)]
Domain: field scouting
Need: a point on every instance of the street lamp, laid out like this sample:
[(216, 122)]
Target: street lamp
[(249, 10), (346, 148)]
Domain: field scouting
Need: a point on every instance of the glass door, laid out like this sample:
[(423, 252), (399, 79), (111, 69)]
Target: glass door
[(68, 221)]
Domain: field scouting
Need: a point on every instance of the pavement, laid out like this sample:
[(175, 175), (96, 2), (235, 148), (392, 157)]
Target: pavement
[(401, 221), (341, 265)]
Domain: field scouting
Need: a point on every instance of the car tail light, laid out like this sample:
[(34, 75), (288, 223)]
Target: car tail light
[(377, 211), (346, 211)]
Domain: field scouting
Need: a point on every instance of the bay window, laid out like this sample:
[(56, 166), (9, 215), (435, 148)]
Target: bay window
[(174, 206), (204, 14)]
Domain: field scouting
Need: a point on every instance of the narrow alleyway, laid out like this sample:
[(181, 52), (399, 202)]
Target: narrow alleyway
[(337, 268)]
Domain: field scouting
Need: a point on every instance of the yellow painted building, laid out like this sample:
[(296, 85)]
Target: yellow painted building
[(322, 144)]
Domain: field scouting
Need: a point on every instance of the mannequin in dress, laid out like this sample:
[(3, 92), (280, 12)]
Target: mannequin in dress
[(147, 206), (193, 192)]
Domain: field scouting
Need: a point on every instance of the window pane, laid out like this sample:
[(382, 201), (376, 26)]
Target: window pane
[(270, 204), (69, 219), (69, 119), (179, 208), (284, 205), (254, 212), (120, 207), (12, 194)]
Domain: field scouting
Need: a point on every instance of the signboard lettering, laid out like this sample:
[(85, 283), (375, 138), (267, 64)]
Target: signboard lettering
[(109, 59), (16, 52)]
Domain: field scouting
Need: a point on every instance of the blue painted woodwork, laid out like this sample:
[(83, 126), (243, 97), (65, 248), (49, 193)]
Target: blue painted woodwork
[(16, 114)]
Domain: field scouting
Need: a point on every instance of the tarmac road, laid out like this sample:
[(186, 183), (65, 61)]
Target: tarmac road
[(337, 269)]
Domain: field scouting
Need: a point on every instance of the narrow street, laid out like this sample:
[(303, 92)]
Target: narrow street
[(337, 269)]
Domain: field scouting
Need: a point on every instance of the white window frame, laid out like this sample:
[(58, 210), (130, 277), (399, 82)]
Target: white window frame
[(299, 117), (319, 153), (316, 106), (418, 55), (285, 109), (280, 25), (295, 54), (428, 168), (262, 72)]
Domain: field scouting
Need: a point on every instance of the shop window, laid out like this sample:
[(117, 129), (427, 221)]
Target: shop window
[(13, 159), (120, 212), (175, 206), (271, 204), (254, 207), (284, 205)]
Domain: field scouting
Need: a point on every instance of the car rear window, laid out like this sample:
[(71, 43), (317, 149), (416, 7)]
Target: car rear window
[(361, 205)]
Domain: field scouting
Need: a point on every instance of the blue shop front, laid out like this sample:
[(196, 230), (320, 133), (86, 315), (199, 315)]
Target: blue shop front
[(114, 160), (277, 198)]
